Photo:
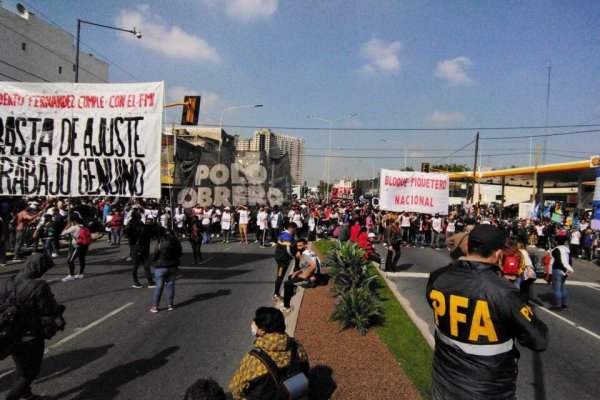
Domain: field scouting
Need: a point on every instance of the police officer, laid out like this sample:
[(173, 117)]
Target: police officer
[(478, 315)]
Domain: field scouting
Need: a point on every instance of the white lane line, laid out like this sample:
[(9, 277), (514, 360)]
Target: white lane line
[(7, 373), (78, 331), (573, 324), (88, 327), (408, 274)]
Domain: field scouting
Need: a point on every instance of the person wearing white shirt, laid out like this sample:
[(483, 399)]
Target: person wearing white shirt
[(262, 222), (575, 243), (561, 268), (436, 231), (179, 221), (276, 218), (206, 217), (226, 220), (244, 219), (216, 221)]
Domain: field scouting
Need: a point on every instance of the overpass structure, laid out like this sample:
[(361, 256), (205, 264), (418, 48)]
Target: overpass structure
[(577, 174)]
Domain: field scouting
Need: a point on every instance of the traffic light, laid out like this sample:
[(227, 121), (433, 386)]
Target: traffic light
[(191, 109), (425, 167)]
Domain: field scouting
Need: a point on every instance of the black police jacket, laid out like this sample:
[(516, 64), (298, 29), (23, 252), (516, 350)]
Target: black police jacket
[(478, 315)]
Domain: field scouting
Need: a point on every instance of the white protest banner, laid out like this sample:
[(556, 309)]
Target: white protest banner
[(67, 139), (413, 192)]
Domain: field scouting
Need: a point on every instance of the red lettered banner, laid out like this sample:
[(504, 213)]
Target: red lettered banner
[(413, 192), (67, 139)]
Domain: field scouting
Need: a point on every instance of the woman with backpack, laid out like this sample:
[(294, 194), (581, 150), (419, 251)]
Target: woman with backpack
[(274, 349), (80, 242)]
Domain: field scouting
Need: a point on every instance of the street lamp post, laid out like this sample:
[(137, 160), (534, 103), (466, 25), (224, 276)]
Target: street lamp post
[(401, 144), (330, 121), (133, 31)]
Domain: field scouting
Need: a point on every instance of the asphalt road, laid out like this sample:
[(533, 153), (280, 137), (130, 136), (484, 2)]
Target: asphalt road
[(569, 368), (114, 348)]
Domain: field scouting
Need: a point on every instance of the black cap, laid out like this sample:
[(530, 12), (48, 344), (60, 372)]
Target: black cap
[(487, 238)]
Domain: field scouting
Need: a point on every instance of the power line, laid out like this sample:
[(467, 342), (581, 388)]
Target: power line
[(452, 154), (22, 70), (544, 135), (497, 128)]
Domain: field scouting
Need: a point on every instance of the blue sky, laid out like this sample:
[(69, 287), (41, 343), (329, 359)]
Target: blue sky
[(398, 64)]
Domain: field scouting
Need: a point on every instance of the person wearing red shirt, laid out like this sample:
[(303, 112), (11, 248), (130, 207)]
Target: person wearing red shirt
[(354, 231)]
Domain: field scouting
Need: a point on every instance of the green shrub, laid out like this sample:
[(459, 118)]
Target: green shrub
[(357, 304), (348, 268), (357, 308)]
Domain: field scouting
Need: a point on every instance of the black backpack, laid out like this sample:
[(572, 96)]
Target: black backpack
[(10, 316), (290, 383)]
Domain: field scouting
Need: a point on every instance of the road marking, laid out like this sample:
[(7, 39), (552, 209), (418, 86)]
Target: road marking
[(577, 326), (78, 331), (88, 327), (407, 274)]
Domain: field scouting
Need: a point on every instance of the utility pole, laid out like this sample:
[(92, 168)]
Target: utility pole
[(547, 110), (475, 168), (535, 173)]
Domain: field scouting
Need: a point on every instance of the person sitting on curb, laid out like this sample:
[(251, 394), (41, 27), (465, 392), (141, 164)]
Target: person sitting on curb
[(309, 266), (252, 379)]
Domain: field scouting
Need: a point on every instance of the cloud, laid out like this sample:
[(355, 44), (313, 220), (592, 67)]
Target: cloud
[(452, 71), (440, 117), (170, 41), (246, 10), (381, 56)]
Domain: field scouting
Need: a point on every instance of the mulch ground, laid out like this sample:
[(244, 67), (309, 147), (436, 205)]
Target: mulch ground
[(345, 365)]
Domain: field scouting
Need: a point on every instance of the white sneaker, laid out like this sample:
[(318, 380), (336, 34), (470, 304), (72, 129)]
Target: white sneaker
[(54, 255), (68, 278), (80, 276)]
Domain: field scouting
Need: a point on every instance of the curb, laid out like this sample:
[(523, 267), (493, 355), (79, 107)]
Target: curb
[(421, 325), (291, 320)]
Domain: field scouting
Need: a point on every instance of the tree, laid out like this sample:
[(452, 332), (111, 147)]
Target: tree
[(322, 187), (449, 167), (407, 168)]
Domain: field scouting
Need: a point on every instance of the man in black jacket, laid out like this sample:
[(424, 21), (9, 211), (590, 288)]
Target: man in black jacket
[(41, 317), (140, 236), (478, 315)]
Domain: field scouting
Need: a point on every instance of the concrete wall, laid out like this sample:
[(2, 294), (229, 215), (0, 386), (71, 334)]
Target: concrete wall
[(32, 50)]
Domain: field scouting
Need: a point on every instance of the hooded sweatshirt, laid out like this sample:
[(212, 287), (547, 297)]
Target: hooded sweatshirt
[(34, 295)]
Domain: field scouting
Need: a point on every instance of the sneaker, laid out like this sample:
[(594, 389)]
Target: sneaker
[(277, 297), (137, 286), (151, 285), (54, 255), (284, 309), (2, 265), (16, 260), (80, 276), (68, 278), (170, 308), (564, 307), (154, 310), (555, 308)]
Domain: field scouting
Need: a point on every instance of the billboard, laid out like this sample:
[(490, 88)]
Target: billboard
[(227, 178), (67, 139), (413, 192)]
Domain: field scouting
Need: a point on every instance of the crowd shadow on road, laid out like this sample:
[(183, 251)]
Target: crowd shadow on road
[(62, 364), (322, 385), (212, 274), (204, 296), (539, 387), (107, 385), (402, 267), (222, 259)]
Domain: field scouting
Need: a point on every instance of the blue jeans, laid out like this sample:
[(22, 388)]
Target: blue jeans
[(435, 238), (560, 288), (164, 276), (116, 236)]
